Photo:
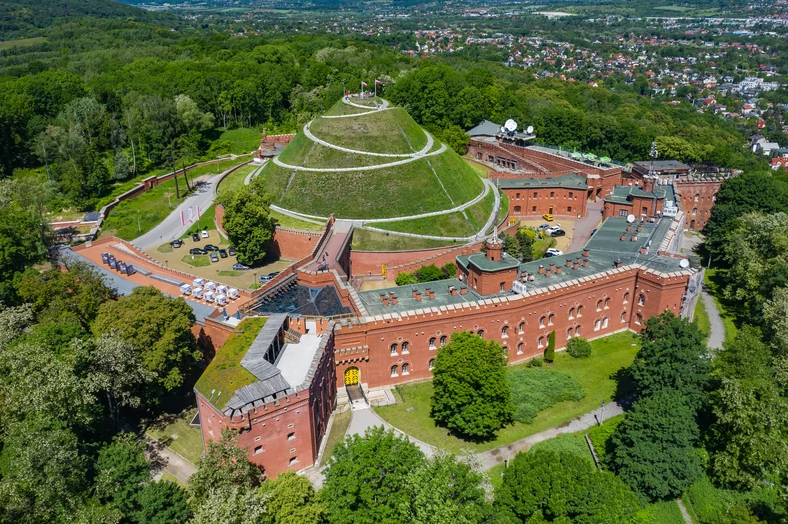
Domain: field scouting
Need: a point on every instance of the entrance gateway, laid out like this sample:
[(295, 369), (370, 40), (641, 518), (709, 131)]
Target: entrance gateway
[(352, 376)]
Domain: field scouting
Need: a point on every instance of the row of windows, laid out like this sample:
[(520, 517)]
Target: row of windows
[(518, 209), (571, 195)]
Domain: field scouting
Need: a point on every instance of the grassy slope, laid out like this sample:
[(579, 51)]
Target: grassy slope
[(372, 241), (289, 222), (338, 430), (376, 133), (224, 374), (451, 224), (236, 179), (480, 211), (457, 176), (175, 432), (241, 140), (594, 374), (713, 279)]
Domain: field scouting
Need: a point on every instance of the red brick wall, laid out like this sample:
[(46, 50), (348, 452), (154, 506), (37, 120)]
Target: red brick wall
[(364, 262), (613, 209), (375, 362), (698, 211), (294, 245), (522, 201)]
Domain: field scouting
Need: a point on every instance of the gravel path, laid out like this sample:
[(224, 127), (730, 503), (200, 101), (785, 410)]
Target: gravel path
[(278, 162), (424, 150), (717, 335)]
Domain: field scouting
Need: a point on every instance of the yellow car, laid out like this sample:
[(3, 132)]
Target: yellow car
[(548, 217)]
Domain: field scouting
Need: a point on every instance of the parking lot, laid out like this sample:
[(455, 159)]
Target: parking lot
[(567, 225), (221, 271)]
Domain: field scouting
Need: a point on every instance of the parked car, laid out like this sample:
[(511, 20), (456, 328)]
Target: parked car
[(196, 251), (553, 252), (176, 243), (231, 251), (214, 257), (210, 247), (266, 278), (223, 253), (204, 233), (240, 267), (195, 237), (558, 233), (554, 227), (548, 217), (543, 227)]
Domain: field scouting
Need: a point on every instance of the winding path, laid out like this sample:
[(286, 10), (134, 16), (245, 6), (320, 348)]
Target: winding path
[(421, 153), (278, 162), (383, 107)]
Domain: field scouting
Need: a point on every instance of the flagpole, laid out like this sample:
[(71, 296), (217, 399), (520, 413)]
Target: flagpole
[(376, 88)]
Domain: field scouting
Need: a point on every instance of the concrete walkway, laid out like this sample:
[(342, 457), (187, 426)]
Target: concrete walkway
[(422, 152), (164, 460), (408, 160), (717, 326), (366, 418), (586, 225), (383, 107), (347, 101)]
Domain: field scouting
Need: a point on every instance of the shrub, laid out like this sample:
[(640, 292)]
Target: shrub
[(579, 347), (429, 273), (403, 279), (549, 354), (600, 436), (538, 389), (450, 270), (535, 363)]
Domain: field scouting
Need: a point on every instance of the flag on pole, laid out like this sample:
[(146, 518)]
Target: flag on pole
[(378, 83), (363, 84), (198, 212), (183, 221)]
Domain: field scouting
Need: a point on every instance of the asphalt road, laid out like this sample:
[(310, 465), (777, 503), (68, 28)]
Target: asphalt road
[(171, 228)]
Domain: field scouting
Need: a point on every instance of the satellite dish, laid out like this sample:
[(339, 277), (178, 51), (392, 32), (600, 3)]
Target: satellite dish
[(630, 218), (684, 263), (503, 129), (530, 130), (510, 125)]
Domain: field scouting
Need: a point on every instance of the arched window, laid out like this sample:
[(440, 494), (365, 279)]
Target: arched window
[(624, 316), (607, 303), (550, 319), (571, 313), (481, 333), (432, 342), (597, 324), (697, 197), (540, 343), (626, 298), (443, 340), (604, 322), (520, 348), (599, 305), (694, 210), (505, 331), (541, 322), (569, 333), (405, 347), (638, 319), (394, 371), (521, 328), (394, 349), (406, 369), (577, 331), (641, 299), (432, 364), (579, 311)]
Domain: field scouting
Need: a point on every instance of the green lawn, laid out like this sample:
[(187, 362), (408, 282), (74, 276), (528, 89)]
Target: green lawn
[(480, 211), (364, 240), (448, 225), (166, 476), (289, 222), (479, 169), (702, 318), (338, 430), (174, 431), (241, 141), (595, 375), (713, 279), (666, 512), (376, 133), (224, 375), (540, 247), (230, 273), (165, 248), (342, 108), (196, 260), (236, 179), (131, 218)]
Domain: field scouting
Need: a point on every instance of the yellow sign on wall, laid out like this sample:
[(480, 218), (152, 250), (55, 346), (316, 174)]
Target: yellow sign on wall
[(383, 270), (512, 221)]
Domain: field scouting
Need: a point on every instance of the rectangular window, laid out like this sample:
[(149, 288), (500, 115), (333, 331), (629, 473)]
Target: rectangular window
[(535, 194), (622, 212), (533, 209), (517, 196), (552, 194), (569, 209), (570, 195), (644, 211)]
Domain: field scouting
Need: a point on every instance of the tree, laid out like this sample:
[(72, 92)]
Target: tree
[(429, 273), (73, 295), (652, 449), (471, 394), (42, 470), (229, 505), (405, 278), (578, 347), (444, 490), (115, 369), (121, 472), (366, 477), (13, 321), (247, 222), (159, 327), (549, 352), (122, 168), (162, 502), (456, 138), (224, 466), (291, 499), (543, 486), (673, 357), (748, 436)]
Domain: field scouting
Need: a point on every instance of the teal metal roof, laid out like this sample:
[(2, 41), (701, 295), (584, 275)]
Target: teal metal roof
[(571, 180), (480, 261), (623, 194)]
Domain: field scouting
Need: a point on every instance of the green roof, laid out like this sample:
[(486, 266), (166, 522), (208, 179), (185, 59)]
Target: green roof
[(480, 261), (622, 194), (407, 302), (224, 375), (571, 180)]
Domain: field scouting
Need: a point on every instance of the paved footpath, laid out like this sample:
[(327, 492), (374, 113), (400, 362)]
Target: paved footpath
[(166, 460), (442, 149), (422, 152)]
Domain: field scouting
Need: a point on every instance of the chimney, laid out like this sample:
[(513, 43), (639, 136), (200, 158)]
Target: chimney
[(640, 228), (541, 269), (463, 290), (385, 300), (586, 253), (392, 294), (413, 292), (558, 271), (575, 265), (453, 291), (629, 227), (623, 236), (418, 296), (577, 260), (585, 262), (547, 273), (642, 250), (394, 299), (568, 262), (618, 263), (552, 267), (383, 297), (634, 237)]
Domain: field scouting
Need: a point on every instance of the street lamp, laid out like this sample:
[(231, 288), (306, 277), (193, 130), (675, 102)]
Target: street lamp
[(139, 227)]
